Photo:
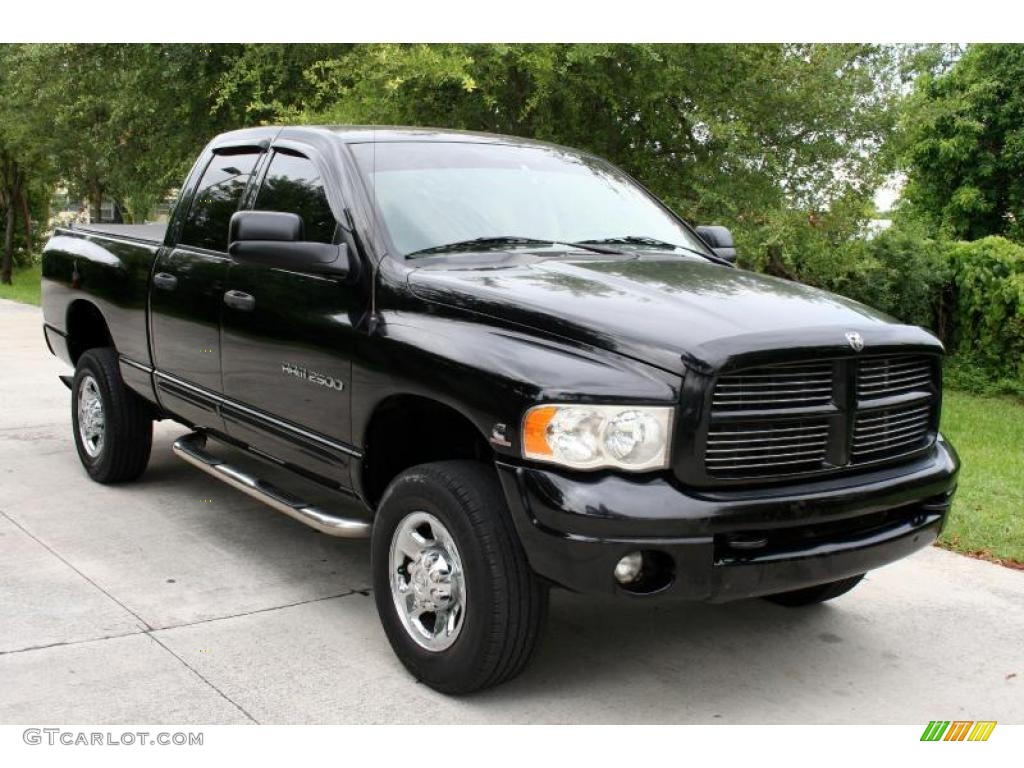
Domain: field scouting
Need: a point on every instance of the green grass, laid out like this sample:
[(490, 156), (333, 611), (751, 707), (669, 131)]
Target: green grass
[(988, 513), (24, 287)]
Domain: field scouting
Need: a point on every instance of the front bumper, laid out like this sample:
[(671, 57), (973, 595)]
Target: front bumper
[(721, 546)]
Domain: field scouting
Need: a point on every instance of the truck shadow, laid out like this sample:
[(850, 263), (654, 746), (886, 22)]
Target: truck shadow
[(691, 662)]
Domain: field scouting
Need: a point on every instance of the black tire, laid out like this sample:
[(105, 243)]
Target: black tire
[(816, 594), (128, 422), (506, 603)]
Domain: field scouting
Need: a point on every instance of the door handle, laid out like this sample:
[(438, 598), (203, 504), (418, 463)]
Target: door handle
[(239, 300), (165, 281)]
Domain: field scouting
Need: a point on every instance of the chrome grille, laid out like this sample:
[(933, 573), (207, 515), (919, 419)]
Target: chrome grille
[(888, 376), (881, 434), (766, 449), (784, 386), (807, 418)]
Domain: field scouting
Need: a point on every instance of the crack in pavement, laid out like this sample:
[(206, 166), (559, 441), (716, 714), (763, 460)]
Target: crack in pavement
[(268, 609), (22, 428), (198, 674), (198, 622), (70, 643), (64, 560)]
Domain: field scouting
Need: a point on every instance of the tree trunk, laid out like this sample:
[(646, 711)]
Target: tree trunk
[(27, 216), (95, 201), (7, 265), (776, 266)]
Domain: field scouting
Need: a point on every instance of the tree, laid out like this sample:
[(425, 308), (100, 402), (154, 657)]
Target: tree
[(964, 146), (20, 166), (751, 136), (784, 143), (119, 121), (12, 198), (267, 82)]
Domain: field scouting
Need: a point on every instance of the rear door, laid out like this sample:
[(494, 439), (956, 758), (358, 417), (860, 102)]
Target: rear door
[(287, 336), (188, 287)]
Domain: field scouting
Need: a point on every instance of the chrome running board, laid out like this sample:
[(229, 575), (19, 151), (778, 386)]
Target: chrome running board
[(192, 448)]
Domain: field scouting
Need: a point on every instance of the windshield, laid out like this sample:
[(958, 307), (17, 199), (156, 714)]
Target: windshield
[(432, 194)]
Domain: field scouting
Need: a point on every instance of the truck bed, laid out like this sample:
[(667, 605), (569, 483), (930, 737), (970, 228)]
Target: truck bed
[(152, 234), (107, 267)]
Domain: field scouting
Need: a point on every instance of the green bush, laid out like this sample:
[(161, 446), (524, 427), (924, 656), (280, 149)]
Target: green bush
[(965, 372), (988, 278), (899, 271), (904, 274), (970, 294)]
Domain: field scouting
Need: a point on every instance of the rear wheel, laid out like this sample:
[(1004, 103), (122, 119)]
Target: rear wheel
[(458, 601), (113, 426), (816, 594)]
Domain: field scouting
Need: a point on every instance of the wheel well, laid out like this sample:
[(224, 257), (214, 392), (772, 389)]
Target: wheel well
[(407, 430), (86, 329)]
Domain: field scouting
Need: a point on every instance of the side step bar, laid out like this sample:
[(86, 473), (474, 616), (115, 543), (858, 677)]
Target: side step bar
[(192, 448)]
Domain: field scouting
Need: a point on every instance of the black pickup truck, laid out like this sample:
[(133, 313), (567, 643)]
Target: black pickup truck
[(511, 367)]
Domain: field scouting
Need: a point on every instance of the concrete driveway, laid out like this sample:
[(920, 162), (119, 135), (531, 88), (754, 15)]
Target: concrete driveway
[(179, 600)]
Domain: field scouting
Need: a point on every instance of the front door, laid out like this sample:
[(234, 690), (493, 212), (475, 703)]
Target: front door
[(187, 292), (287, 339)]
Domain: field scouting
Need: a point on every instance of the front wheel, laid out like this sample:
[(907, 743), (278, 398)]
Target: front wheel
[(113, 426), (458, 601), (816, 594)]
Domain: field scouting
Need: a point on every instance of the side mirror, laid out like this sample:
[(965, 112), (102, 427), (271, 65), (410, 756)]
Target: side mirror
[(274, 239), (719, 239)]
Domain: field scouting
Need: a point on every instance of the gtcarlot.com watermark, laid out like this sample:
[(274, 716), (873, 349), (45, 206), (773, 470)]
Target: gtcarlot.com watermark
[(59, 736)]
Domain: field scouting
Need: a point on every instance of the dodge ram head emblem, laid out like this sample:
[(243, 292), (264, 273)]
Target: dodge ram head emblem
[(856, 340)]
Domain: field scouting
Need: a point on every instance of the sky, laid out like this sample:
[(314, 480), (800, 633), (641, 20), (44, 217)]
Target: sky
[(887, 194)]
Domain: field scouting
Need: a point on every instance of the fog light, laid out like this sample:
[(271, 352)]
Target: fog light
[(627, 570)]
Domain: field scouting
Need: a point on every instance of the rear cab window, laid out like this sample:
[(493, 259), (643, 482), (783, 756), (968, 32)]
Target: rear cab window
[(216, 198)]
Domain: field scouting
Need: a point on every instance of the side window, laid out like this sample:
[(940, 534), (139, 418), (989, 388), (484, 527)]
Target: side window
[(216, 199), (293, 185)]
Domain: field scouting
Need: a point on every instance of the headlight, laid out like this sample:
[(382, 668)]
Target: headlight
[(633, 438)]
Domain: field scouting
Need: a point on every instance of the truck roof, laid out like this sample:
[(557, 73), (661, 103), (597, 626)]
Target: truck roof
[(358, 134), (318, 134)]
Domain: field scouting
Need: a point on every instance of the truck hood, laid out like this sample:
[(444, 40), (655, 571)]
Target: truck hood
[(669, 311)]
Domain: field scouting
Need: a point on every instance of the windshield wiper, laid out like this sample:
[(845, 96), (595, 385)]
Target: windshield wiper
[(483, 243), (652, 242), (476, 244)]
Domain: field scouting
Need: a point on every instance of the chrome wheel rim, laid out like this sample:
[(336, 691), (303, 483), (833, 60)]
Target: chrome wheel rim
[(428, 585), (92, 423)]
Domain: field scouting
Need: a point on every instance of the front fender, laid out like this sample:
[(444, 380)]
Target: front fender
[(492, 374)]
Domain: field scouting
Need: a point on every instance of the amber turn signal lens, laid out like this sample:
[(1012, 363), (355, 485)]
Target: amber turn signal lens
[(535, 426)]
